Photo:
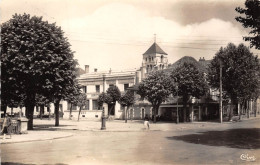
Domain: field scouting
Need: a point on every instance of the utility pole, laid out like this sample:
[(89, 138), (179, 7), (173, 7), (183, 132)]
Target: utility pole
[(103, 118), (177, 120), (220, 91)]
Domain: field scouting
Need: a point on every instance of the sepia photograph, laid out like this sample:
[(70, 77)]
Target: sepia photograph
[(130, 82)]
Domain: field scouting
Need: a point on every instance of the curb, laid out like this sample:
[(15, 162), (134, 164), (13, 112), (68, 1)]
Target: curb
[(54, 138)]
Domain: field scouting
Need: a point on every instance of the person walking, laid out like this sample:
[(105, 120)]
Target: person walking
[(146, 122)]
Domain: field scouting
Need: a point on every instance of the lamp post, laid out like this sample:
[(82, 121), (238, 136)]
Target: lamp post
[(220, 91), (103, 118), (177, 120)]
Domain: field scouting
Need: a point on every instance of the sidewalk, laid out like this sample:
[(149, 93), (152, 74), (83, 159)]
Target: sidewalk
[(45, 129)]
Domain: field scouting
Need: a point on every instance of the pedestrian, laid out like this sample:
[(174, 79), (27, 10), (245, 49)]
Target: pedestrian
[(146, 122)]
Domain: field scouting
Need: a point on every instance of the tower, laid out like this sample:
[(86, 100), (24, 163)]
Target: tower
[(153, 59)]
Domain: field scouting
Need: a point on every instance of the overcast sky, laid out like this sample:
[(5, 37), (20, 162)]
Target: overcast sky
[(114, 34)]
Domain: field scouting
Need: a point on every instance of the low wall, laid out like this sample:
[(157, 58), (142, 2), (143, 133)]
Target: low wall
[(83, 114)]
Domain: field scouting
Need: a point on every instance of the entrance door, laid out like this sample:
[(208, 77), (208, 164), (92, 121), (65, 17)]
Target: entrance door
[(142, 113), (111, 110)]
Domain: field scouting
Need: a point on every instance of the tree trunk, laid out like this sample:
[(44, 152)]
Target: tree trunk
[(248, 113), (3, 109), (57, 114), (70, 111), (126, 114), (79, 112), (30, 109), (185, 100), (255, 107), (41, 111), (239, 111), (231, 110), (155, 110)]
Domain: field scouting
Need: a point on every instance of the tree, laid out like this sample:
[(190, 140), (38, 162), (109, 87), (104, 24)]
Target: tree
[(252, 20), (81, 101), (240, 73), (72, 96), (113, 95), (191, 83), (39, 59), (127, 100), (156, 89)]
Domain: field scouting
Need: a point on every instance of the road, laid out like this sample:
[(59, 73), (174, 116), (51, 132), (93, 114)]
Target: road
[(218, 144)]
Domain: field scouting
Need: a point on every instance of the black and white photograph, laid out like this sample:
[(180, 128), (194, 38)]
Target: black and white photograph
[(130, 82)]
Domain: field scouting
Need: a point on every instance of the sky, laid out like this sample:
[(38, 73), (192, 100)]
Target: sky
[(114, 34)]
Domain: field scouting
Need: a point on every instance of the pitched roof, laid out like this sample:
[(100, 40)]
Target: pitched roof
[(155, 49)]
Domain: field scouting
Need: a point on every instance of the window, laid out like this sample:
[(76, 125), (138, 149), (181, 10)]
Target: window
[(110, 85), (152, 58), (84, 89), (74, 107), (162, 58), (95, 105), (126, 86), (98, 88), (86, 107)]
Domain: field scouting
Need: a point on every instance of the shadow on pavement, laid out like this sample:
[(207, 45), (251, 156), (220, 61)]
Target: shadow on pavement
[(244, 138), (49, 127), (12, 163)]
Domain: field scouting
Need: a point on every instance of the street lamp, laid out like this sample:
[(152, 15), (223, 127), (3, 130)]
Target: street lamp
[(103, 118)]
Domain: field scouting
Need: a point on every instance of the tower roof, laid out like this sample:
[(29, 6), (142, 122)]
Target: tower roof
[(155, 49)]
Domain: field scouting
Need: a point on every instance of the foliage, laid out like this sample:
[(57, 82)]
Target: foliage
[(252, 20), (190, 80), (81, 100), (37, 58), (240, 72), (156, 89), (127, 99), (114, 94), (104, 98)]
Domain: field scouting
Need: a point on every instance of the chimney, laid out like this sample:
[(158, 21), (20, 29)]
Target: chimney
[(86, 68), (110, 71), (95, 70)]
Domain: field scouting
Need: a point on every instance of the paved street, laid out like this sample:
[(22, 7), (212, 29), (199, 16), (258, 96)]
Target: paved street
[(200, 143)]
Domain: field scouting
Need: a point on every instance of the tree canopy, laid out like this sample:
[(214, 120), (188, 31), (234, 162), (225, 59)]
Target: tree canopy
[(251, 20), (240, 72), (37, 58), (156, 89), (127, 99)]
